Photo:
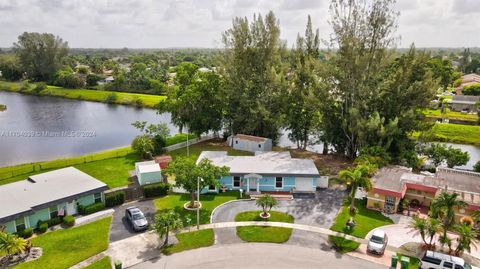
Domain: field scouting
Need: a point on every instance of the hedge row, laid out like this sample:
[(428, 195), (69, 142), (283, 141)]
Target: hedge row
[(114, 199), (87, 210), (155, 190)]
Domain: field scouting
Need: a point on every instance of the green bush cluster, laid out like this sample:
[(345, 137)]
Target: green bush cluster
[(26, 233), (42, 227), (155, 190), (69, 220), (114, 199), (54, 221), (111, 98), (93, 208)]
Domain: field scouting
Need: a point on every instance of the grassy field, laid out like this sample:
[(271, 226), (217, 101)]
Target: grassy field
[(452, 115), (365, 219), (64, 248), (453, 133), (209, 202), (123, 98), (342, 244), (262, 233), (191, 240), (103, 263)]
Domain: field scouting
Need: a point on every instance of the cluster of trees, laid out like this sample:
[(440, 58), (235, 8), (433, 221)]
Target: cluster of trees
[(472, 90), (439, 153), (152, 140), (10, 245), (441, 220), (360, 95), (141, 77)]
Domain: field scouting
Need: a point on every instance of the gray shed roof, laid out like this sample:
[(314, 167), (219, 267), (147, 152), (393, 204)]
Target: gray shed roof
[(43, 190), (465, 99), (272, 164)]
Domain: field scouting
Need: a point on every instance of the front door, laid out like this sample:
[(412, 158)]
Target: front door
[(71, 208), (252, 184), (389, 204)]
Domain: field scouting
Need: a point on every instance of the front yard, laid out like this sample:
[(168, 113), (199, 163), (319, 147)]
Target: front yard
[(365, 219), (64, 248), (103, 263), (209, 202), (191, 240), (264, 233)]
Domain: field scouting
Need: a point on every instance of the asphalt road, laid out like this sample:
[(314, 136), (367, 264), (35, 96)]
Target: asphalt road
[(257, 256)]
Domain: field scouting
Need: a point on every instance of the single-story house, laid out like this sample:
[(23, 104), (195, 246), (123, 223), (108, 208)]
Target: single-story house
[(148, 172), (250, 143), (265, 172), (106, 80), (394, 183), (465, 103), (45, 196)]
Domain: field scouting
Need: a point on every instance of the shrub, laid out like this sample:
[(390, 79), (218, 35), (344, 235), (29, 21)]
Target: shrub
[(476, 167), (157, 189), (113, 199), (26, 233), (467, 221), (94, 208), (25, 86), (69, 220), (42, 227), (54, 221), (40, 86), (81, 209), (137, 102), (92, 80), (111, 98)]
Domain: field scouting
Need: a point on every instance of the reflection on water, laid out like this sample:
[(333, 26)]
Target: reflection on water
[(36, 128)]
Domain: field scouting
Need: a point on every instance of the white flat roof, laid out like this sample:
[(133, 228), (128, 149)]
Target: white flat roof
[(148, 167), (271, 163), (23, 196)]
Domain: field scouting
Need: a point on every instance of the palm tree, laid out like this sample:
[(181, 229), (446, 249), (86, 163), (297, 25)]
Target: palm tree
[(355, 178), (467, 237), (443, 208), (266, 202), (11, 244), (420, 225), (166, 222), (433, 226)]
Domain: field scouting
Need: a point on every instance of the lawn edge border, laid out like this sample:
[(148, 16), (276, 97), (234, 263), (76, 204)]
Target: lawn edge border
[(228, 202)]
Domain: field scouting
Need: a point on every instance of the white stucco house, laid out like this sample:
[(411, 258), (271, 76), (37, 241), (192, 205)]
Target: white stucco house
[(250, 143), (148, 172)]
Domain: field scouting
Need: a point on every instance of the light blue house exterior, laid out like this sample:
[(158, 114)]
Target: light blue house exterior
[(264, 172), (45, 196)]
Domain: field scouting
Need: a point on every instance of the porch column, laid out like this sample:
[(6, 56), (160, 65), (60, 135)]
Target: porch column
[(258, 185), (248, 185)]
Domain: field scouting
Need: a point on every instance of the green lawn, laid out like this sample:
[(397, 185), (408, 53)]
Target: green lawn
[(64, 248), (453, 133), (414, 262), (452, 115), (191, 240), (123, 98), (366, 220), (209, 202), (343, 245), (103, 263), (262, 233)]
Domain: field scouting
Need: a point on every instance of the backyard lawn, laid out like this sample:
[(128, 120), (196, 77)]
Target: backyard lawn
[(211, 145), (453, 133), (263, 233), (64, 248), (103, 263), (209, 202), (365, 219), (452, 115), (191, 240)]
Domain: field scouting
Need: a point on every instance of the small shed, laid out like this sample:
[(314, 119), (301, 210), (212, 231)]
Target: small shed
[(250, 143), (148, 172), (163, 160)]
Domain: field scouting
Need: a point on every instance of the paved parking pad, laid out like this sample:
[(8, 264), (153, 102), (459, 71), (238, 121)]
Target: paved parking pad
[(120, 228)]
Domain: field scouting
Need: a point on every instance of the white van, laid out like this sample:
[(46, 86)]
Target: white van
[(437, 260)]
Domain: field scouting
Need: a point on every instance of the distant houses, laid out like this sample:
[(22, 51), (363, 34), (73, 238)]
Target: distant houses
[(464, 103), (467, 80), (106, 80)]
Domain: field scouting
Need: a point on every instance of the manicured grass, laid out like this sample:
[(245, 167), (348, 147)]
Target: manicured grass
[(365, 219), (453, 133), (103, 263), (123, 98), (179, 138), (262, 233), (414, 262), (209, 202), (64, 248), (211, 145), (452, 115), (191, 240), (343, 245)]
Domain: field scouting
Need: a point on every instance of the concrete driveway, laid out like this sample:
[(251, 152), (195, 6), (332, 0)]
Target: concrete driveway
[(320, 211), (120, 229)]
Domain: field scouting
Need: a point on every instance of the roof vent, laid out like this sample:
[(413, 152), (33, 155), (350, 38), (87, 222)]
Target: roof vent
[(31, 180)]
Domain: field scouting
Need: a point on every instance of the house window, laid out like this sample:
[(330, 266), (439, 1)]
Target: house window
[(236, 182), (236, 141), (53, 211), (211, 187), (278, 182), (260, 145), (97, 197), (20, 224)]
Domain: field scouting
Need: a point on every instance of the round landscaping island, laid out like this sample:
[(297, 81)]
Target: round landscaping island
[(264, 233)]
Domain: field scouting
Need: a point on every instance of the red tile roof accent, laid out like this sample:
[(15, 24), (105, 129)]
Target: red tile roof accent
[(387, 192), (421, 187), (473, 207)]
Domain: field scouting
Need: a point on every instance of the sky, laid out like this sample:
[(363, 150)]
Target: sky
[(200, 23)]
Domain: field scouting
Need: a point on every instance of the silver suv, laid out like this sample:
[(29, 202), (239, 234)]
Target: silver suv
[(378, 242), (136, 219)]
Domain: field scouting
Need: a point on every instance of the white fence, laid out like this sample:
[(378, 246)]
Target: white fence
[(190, 142)]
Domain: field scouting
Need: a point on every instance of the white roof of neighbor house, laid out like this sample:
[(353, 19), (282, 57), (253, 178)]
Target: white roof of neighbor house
[(148, 167), (271, 163), (43, 189)]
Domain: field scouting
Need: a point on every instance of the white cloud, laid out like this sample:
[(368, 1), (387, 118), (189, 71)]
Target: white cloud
[(199, 23)]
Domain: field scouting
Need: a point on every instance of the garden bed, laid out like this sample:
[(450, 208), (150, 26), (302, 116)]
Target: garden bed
[(264, 233)]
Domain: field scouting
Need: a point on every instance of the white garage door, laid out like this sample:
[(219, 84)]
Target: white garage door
[(303, 184)]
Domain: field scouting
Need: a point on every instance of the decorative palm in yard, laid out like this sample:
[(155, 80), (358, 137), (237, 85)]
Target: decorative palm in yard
[(442, 208), (165, 222), (427, 228), (466, 237), (11, 244), (266, 202), (355, 178)]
